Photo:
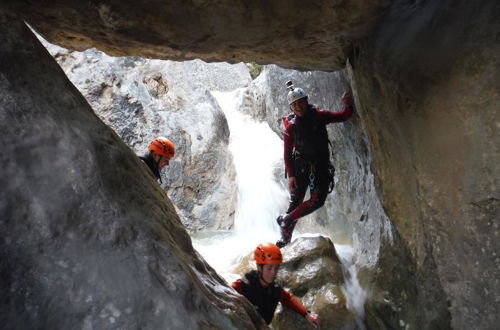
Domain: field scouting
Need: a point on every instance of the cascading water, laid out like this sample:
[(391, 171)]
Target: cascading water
[(257, 151)]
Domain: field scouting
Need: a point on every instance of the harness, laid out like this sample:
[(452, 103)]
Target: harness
[(311, 146)]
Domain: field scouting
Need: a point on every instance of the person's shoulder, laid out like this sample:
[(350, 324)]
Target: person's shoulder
[(289, 121)]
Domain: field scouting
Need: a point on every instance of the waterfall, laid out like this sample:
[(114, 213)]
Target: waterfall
[(355, 295), (257, 151)]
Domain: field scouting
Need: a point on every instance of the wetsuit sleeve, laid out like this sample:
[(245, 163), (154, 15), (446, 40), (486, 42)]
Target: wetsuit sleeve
[(288, 149), (238, 286), (328, 117), (292, 302)]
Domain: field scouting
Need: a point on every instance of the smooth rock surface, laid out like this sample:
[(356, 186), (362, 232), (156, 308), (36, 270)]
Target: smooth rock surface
[(428, 86), (306, 35), (85, 243)]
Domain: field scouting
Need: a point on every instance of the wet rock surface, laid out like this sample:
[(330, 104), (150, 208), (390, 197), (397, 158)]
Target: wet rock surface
[(311, 271), (86, 243)]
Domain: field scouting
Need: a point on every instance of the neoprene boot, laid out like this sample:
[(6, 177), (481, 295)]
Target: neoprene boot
[(286, 227)]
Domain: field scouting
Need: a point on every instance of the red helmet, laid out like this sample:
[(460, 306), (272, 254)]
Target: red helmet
[(267, 253), (162, 147)]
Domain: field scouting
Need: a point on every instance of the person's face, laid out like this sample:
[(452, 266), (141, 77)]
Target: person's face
[(269, 273), (299, 107), (162, 161)]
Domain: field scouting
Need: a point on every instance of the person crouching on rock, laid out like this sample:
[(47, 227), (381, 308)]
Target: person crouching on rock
[(259, 288), (161, 150)]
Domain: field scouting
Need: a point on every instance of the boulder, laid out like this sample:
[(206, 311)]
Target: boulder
[(312, 272)]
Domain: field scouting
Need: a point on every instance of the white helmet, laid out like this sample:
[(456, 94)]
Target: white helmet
[(295, 93)]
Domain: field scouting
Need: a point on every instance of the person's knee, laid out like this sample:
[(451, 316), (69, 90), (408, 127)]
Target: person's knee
[(318, 200), (317, 204)]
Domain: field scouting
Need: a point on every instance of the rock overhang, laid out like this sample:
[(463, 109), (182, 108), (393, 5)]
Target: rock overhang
[(313, 35)]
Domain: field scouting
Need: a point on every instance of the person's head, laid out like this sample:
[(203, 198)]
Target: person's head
[(297, 99), (268, 258), (162, 150)]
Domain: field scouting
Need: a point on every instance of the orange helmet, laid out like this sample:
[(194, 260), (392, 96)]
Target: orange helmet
[(162, 147), (267, 253)]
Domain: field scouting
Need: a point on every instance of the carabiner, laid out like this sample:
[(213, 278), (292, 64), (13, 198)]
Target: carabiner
[(311, 181)]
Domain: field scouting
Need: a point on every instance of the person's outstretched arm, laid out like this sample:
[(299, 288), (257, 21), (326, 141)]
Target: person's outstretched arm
[(342, 115), (292, 302), (238, 286)]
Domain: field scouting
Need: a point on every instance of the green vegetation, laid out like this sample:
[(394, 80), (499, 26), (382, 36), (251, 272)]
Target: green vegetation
[(255, 69)]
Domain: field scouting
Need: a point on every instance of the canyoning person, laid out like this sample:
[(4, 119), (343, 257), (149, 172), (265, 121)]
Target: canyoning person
[(259, 288), (160, 151), (307, 156)]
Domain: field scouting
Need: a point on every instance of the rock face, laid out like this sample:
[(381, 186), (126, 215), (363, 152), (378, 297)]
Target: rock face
[(142, 99), (428, 87), (280, 32), (85, 243)]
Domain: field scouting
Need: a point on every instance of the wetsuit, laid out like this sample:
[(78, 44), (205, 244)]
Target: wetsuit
[(151, 163), (266, 298), (306, 152)]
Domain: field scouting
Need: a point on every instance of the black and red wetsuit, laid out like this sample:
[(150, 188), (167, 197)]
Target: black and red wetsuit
[(306, 151), (152, 164), (266, 298)]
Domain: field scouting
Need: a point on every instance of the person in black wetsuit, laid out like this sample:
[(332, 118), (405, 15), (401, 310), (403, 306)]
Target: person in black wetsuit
[(259, 288), (161, 150), (307, 156)]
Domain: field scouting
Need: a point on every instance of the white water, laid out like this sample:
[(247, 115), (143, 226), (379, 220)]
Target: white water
[(257, 151), (355, 295)]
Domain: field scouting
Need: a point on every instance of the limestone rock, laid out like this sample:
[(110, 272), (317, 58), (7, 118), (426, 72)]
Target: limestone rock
[(316, 34), (86, 243), (141, 99), (428, 87)]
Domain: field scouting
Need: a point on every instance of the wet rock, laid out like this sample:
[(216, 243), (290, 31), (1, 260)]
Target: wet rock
[(312, 271)]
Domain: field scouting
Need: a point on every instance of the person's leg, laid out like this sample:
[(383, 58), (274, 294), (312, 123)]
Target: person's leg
[(296, 198), (316, 200)]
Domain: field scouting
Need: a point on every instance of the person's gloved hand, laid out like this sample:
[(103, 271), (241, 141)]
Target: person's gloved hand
[(313, 318), (347, 99)]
